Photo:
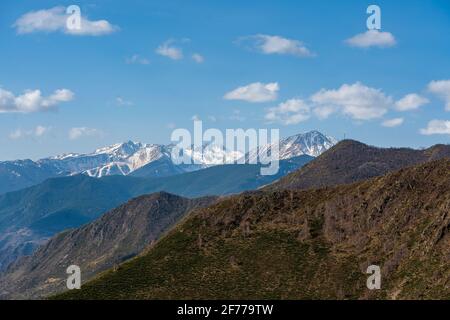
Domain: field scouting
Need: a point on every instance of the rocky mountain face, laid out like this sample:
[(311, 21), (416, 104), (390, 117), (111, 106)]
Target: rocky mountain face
[(293, 244), (350, 161), (117, 236), (151, 160)]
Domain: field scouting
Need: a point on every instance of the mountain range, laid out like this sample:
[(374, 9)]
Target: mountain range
[(291, 244), (335, 217), (138, 159), (30, 216)]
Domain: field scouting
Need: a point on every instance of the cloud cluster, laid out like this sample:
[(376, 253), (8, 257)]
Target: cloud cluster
[(255, 92), (442, 89), (436, 127), (55, 19), (32, 101), (372, 38), (411, 101), (356, 100), (292, 111), (269, 44)]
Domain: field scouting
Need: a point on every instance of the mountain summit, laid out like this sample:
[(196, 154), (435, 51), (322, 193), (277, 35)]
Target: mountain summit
[(125, 158)]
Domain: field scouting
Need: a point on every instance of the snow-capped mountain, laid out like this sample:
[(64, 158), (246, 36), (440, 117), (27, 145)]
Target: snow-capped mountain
[(126, 158), (311, 143), (121, 159)]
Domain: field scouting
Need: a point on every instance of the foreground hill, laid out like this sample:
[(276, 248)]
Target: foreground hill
[(117, 236), (301, 245), (29, 217), (350, 161)]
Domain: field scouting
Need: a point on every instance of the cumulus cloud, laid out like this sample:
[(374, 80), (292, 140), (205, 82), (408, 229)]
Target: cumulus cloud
[(79, 132), (372, 38), (55, 19), (411, 101), (323, 111), (441, 88), (255, 92), (292, 111), (32, 101), (198, 58), (391, 123), (167, 49), (357, 101), (436, 127), (137, 59), (37, 132), (269, 44)]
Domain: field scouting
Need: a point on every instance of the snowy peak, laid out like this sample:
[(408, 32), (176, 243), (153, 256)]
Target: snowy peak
[(120, 158), (122, 150), (125, 158), (311, 143)]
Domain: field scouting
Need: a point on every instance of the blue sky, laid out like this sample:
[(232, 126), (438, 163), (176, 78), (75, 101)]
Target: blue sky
[(115, 85)]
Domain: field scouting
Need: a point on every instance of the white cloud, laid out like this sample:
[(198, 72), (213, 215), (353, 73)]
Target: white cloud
[(170, 51), (357, 101), (123, 103), (79, 132), (372, 38), (292, 111), (391, 123), (32, 101), (37, 132), (137, 59), (411, 101), (269, 44), (198, 58), (442, 89), (254, 92), (55, 19), (436, 127), (323, 112)]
